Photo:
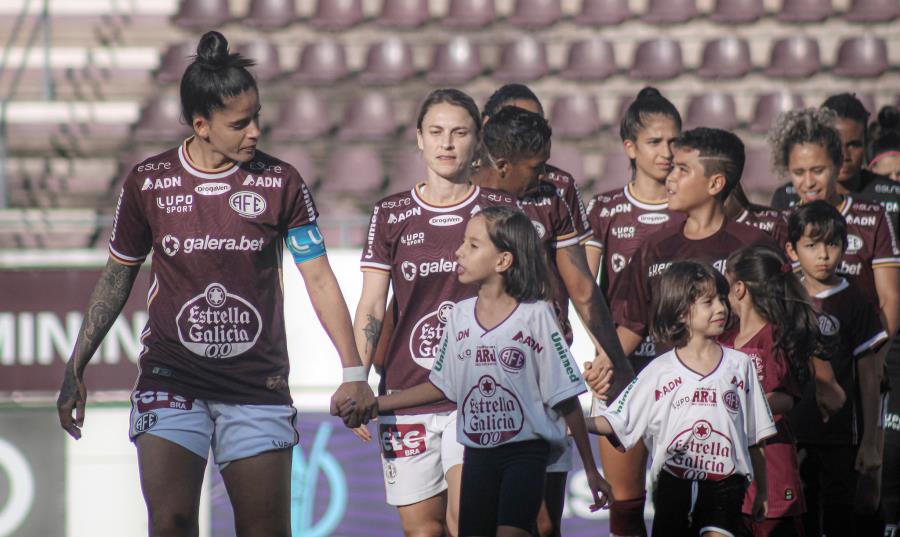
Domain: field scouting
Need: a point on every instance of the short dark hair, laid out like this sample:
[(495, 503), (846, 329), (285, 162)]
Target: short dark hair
[(450, 96), (506, 94), (720, 151), (848, 106), (213, 77), (825, 222), (675, 291), (515, 134), (510, 230), (884, 134)]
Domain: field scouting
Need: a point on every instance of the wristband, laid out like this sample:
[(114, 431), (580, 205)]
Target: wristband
[(355, 374)]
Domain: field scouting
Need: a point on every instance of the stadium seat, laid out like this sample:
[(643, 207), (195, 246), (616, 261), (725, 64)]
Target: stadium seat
[(337, 14), (738, 11), (712, 110), (575, 116), (270, 14), (160, 120), (726, 57), (535, 14), (201, 15), (404, 14), (669, 11), (369, 116), (603, 12), (657, 59), (302, 115), (321, 62), (873, 11), (354, 169), (616, 171), (265, 54), (589, 60), (455, 62), (388, 62), (522, 61), (470, 14), (862, 57), (794, 57), (407, 169), (758, 174), (296, 156), (805, 10), (570, 159), (174, 62), (771, 105)]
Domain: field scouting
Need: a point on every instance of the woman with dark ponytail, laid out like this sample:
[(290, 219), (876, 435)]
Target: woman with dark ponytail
[(214, 367)]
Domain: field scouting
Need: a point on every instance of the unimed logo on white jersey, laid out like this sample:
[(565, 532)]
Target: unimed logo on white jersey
[(218, 324)]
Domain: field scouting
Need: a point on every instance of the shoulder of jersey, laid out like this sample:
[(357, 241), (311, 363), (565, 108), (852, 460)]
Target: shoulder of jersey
[(398, 200), (769, 213), (496, 196), (879, 184), (610, 198), (160, 164), (865, 206), (558, 176)]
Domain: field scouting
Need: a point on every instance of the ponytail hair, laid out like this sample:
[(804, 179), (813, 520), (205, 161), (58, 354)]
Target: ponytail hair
[(780, 299), (528, 278), (215, 76)]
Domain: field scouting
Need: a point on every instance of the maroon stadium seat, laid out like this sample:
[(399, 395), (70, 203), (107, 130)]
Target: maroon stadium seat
[(455, 62), (669, 11), (321, 62), (175, 61), (302, 115), (160, 120), (369, 116), (575, 116), (726, 57), (354, 169), (407, 169), (712, 110), (570, 159), (590, 59), (535, 14), (388, 62), (337, 14), (758, 175), (771, 105), (470, 14), (603, 12), (522, 61), (404, 13), (794, 57), (657, 59), (265, 54), (805, 10), (200, 15), (296, 156), (862, 57), (738, 11), (873, 11), (616, 171), (270, 14)]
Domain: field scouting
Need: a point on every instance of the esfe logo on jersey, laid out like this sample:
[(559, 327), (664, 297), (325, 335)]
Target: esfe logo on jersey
[(247, 204), (410, 270), (218, 324), (425, 337), (491, 414), (700, 452), (399, 440)]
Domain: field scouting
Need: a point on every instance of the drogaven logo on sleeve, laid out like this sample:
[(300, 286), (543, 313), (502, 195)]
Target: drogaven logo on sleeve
[(217, 324)]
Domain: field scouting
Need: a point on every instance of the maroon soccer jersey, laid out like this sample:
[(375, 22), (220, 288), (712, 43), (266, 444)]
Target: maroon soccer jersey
[(568, 190), (415, 243), (854, 321), (621, 223), (772, 221), (782, 468), (216, 328), (632, 294)]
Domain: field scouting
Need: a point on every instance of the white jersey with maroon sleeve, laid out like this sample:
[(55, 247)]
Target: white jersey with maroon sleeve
[(695, 426), (216, 328), (507, 379), (415, 243)]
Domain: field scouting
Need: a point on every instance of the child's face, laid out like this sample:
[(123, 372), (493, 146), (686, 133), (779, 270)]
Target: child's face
[(477, 258), (687, 186), (812, 173), (818, 259), (707, 316)]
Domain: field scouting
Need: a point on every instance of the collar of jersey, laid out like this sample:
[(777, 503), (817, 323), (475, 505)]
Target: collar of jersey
[(197, 172), (834, 290), (642, 204), (845, 206), (444, 208)]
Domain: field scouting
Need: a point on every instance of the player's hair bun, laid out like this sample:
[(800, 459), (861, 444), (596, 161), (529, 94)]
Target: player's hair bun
[(212, 51), (889, 118), (648, 92)]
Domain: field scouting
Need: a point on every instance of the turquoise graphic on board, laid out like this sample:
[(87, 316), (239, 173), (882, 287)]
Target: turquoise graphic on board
[(304, 475)]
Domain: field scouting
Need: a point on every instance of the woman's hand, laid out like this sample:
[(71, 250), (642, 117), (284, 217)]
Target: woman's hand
[(72, 396)]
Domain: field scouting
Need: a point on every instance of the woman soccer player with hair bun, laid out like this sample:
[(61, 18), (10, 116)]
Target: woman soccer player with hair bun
[(214, 367), (884, 144), (410, 247)]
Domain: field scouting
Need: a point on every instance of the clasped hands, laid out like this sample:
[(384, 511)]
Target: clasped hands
[(354, 403)]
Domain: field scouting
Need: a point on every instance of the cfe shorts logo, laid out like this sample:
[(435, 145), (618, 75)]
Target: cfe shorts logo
[(425, 337), (491, 414), (171, 245), (218, 324)]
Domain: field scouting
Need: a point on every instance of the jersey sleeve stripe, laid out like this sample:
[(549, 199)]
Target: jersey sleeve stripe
[(126, 259), (377, 267), (886, 261), (874, 340), (565, 243), (594, 244)]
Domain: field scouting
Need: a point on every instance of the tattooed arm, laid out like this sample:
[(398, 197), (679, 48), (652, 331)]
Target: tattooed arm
[(104, 306), (594, 314), (370, 314)]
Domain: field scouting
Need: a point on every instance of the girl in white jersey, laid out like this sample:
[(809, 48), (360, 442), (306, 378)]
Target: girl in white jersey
[(504, 360), (700, 410)]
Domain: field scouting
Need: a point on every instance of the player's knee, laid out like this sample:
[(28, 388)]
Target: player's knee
[(626, 518), (429, 528), (173, 524)]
